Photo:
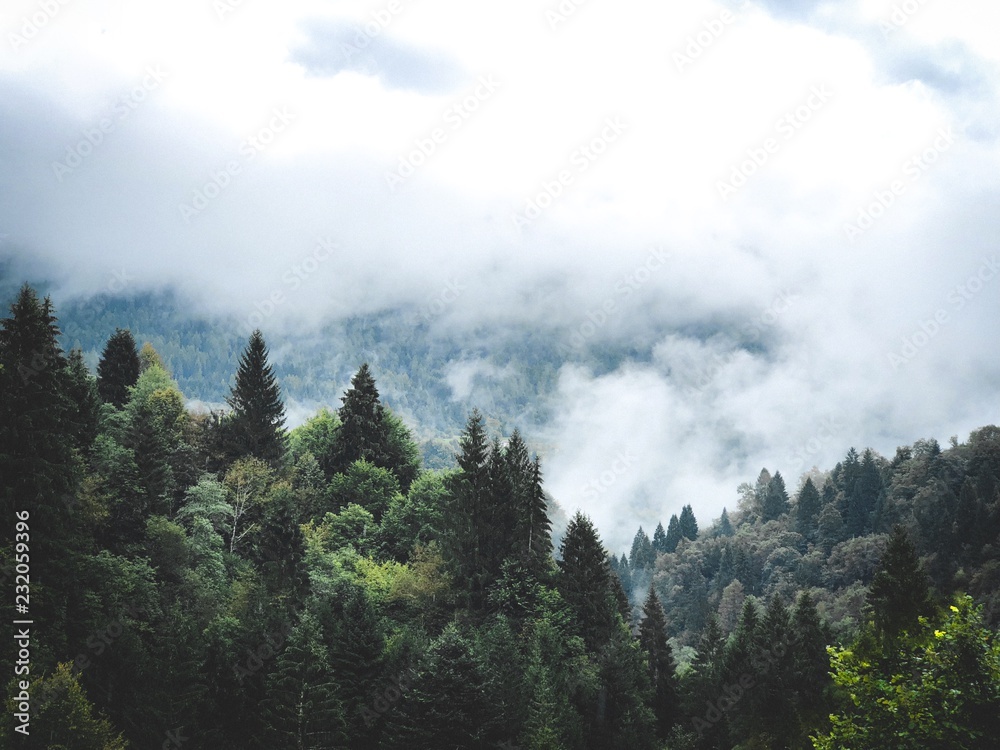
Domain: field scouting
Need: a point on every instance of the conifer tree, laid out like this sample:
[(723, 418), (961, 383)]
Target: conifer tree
[(673, 535), (642, 555), (585, 581), (653, 639), (660, 539), (725, 526), (775, 502), (363, 431), (810, 663), (118, 368), (899, 593), (257, 422), (302, 708), (688, 524), (535, 526), (84, 401), (149, 357), (807, 510), (467, 516)]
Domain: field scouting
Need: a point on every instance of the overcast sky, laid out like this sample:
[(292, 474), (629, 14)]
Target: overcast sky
[(797, 200)]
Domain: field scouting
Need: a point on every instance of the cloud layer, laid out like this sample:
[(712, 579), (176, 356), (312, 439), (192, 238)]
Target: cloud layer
[(788, 209)]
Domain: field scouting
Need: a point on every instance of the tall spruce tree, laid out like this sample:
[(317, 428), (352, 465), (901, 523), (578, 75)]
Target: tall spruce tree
[(899, 593), (118, 368), (725, 527), (807, 511), (660, 539), (257, 423), (662, 669), (673, 535), (585, 581), (364, 431), (688, 524), (535, 528), (775, 502), (642, 554), (467, 515)]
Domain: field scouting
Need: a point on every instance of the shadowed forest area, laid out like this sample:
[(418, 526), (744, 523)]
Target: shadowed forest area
[(215, 580)]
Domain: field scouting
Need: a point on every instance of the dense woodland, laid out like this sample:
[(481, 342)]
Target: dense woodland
[(214, 580)]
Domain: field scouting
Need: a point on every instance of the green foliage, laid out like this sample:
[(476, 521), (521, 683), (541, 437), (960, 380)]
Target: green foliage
[(938, 688), (118, 369), (255, 426), (62, 718), (366, 485)]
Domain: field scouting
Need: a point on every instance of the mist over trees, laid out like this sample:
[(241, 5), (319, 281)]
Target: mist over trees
[(216, 580)]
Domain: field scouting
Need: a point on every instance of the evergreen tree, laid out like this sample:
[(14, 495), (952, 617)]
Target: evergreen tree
[(725, 526), (364, 431), (446, 704), (585, 581), (302, 709), (84, 401), (807, 510), (642, 555), (534, 526), (673, 535), (810, 663), (688, 524), (257, 422), (899, 593), (775, 502), (118, 368), (660, 539), (653, 639), (467, 516)]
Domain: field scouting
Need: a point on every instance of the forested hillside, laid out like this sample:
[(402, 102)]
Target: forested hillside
[(218, 581)]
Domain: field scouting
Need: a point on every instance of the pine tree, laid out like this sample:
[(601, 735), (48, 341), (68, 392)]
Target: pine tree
[(899, 593), (535, 526), (807, 510), (585, 581), (725, 526), (118, 368), (688, 524), (445, 706), (810, 663), (467, 516), (257, 423), (673, 535), (364, 431), (660, 539), (642, 555), (775, 502), (302, 709), (84, 401), (653, 639)]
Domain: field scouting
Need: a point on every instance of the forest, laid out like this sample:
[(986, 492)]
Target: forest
[(214, 580)]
